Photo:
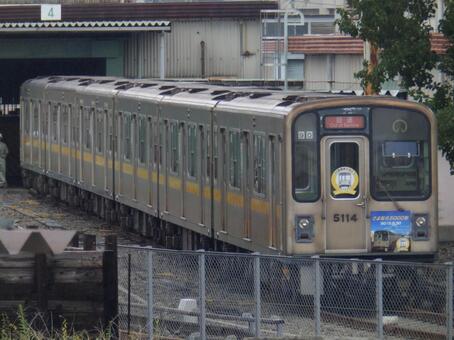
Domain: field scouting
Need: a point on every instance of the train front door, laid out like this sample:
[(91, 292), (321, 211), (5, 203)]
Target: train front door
[(345, 193)]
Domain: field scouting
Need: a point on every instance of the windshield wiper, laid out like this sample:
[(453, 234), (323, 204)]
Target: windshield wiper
[(398, 207)]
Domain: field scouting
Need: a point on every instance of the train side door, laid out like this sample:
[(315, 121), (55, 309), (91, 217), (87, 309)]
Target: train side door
[(345, 193)]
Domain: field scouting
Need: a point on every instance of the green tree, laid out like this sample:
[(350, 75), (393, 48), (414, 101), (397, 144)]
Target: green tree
[(400, 31)]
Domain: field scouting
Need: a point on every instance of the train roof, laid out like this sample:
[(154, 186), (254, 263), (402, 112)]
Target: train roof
[(247, 99)]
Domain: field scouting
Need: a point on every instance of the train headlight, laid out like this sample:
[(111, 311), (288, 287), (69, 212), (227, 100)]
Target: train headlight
[(304, 229), (421, 226), (421, 221), (304, 223)]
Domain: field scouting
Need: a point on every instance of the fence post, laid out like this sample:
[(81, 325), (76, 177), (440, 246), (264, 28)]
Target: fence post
[(379, 296), (202, 311), (257, 293), (317, 283), (449, 306), (129, 293), (150, 294)]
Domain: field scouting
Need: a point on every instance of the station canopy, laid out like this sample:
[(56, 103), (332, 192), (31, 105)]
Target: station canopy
[(84, 26)]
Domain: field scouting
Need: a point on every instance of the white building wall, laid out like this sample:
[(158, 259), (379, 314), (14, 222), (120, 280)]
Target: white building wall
[(232, 49)]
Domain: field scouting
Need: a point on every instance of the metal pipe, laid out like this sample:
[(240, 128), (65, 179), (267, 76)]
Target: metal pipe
[(150, 294), (202, 58), (257, 294), (449, 297), (129, 293), (285, 50), (379, 297), (162, 56)]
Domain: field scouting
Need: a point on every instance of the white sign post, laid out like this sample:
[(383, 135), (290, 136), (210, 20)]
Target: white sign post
[(50, 12)]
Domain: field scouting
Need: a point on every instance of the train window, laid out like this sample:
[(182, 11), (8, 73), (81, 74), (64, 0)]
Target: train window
[(109, 124), (343, 158), (306, 179), (153, 146), (99, 132), (35, 126), (127, 137), (142, 137), (210, 152), (26, 113), (192, 150), (64, 118), (400, 155), (87, 128), (55, 109), (235, 158), (161, 140), (259, 164), (174, 147)]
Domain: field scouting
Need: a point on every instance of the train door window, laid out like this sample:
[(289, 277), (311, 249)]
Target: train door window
[(55, 123), (235, 159), (26, 110), (110, 132), (99, 132), (141, 139), (174, 147), (192, 151), (208, 155), (127, 136), (87, 129), (35, 126), (259, 158), (151, 142), (344, 158), (64, 123), (212, 153), (161, 141)]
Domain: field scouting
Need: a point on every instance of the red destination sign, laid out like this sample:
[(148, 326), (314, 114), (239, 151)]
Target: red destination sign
[(344, 122)]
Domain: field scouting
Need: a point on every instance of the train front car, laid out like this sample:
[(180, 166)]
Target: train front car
[(362, 179)]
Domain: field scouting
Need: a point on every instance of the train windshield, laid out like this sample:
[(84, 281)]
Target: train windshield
[(400, 155), (306, 159)]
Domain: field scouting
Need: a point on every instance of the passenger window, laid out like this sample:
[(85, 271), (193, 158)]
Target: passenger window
[(35, 126), (235, 158), (192, 151), (127, 137), (152, 143), (161, 140), (87, 129), (55, 110), (64, 118), (259, 164), (142, 137), (99, 132), (26, 111), (174, 147)]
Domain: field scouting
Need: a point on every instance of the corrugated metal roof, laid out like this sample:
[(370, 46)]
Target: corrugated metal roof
[(439, 43), (142, 11), (325, 44), (87, 26)]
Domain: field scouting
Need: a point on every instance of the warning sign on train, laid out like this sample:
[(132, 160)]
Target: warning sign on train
[(344, 181)]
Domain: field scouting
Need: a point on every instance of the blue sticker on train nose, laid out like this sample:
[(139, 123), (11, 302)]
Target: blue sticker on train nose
[(390, 230)]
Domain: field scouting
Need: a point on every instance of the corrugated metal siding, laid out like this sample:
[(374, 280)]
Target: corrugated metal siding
[(225, 42), (319, 75), (345, 66), (316, 72)]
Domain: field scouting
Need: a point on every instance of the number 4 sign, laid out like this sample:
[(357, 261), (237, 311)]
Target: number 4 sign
[(50, 12)]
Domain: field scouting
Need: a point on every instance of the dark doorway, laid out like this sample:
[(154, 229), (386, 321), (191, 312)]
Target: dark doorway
[(13, 72)]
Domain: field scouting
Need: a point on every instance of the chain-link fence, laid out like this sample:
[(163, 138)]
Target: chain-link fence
[(204, 295)]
